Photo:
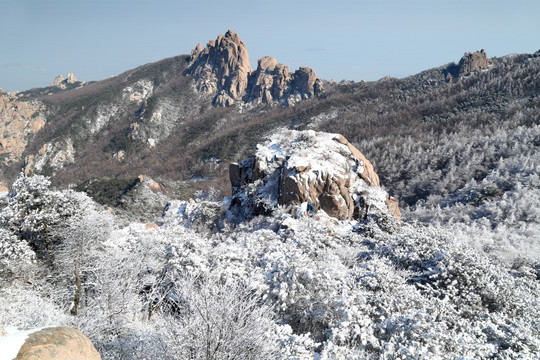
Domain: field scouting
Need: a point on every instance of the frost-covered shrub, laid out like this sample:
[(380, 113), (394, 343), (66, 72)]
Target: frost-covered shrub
[(304, 288), (34, 210), (16, 257), (215, 320), (25, 306), (199, 215)]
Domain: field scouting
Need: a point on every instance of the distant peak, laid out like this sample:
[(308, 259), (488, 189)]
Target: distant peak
[(473, 61), (231, 34), (223, 69), (62, 82)]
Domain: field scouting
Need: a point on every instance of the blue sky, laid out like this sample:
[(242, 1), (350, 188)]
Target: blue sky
[(356, 40)]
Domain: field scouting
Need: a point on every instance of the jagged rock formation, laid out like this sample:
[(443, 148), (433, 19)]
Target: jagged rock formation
[(222, 68), (308, 171), (58, 343), (475, 61), (19, 119), (63, 83)]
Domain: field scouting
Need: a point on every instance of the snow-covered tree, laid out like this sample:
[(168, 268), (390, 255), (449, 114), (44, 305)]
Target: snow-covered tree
[(78, 255), (34, 210)]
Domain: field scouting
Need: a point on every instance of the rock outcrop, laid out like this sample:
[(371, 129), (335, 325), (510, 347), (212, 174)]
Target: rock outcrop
[(55, 155), (305, 172), (3, 188), (57, 343), (19, 119), (222, 69), (471, 62), (63, 83), (223, 65), (58, 81)]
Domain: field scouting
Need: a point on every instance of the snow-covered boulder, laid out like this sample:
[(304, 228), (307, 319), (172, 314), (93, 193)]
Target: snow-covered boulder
[(305, 172)]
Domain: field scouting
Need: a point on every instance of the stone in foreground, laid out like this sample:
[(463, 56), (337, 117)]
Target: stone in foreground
[(57, 343)]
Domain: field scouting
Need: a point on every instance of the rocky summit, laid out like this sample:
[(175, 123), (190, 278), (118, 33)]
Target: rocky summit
[(473, 61), (307, 172), (222, 69), (63, 83)]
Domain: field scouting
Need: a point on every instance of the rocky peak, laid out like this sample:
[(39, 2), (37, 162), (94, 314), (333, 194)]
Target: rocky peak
[(71, 79), (57, 80), (473, 61), (63, 83), (222, 69), (306, 172), (305, 81)]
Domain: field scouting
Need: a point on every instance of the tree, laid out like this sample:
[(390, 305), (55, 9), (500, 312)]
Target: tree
[(33, 211), (81, 236), (216, 320)]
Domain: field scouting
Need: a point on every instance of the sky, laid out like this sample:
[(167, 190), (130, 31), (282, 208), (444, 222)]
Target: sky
[(339, 39)]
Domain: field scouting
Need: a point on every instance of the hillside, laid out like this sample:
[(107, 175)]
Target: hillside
[(455, 144), (305, 261), (266, 213), (139, 121)]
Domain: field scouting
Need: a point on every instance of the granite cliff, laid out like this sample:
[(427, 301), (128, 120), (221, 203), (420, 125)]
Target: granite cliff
[(19, 120), (222, 70)]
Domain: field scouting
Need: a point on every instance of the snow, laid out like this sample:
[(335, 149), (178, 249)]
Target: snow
[(323, 154), (13, 340), (304, 148), (337, 289)]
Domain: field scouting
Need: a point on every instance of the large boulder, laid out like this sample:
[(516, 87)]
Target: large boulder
[(305, 172), (58, 343)]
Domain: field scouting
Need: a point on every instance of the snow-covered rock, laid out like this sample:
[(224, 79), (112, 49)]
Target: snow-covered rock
[(305, 172), (11, 340)]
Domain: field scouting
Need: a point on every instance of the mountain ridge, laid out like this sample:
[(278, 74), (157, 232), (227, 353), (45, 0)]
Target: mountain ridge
[(133, 232), (138, 122)]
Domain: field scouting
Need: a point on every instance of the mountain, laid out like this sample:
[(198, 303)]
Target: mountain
[(429, 135), (118, 126), (132, 241)]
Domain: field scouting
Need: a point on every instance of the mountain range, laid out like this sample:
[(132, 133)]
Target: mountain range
[(182, 120), (198, 208)]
